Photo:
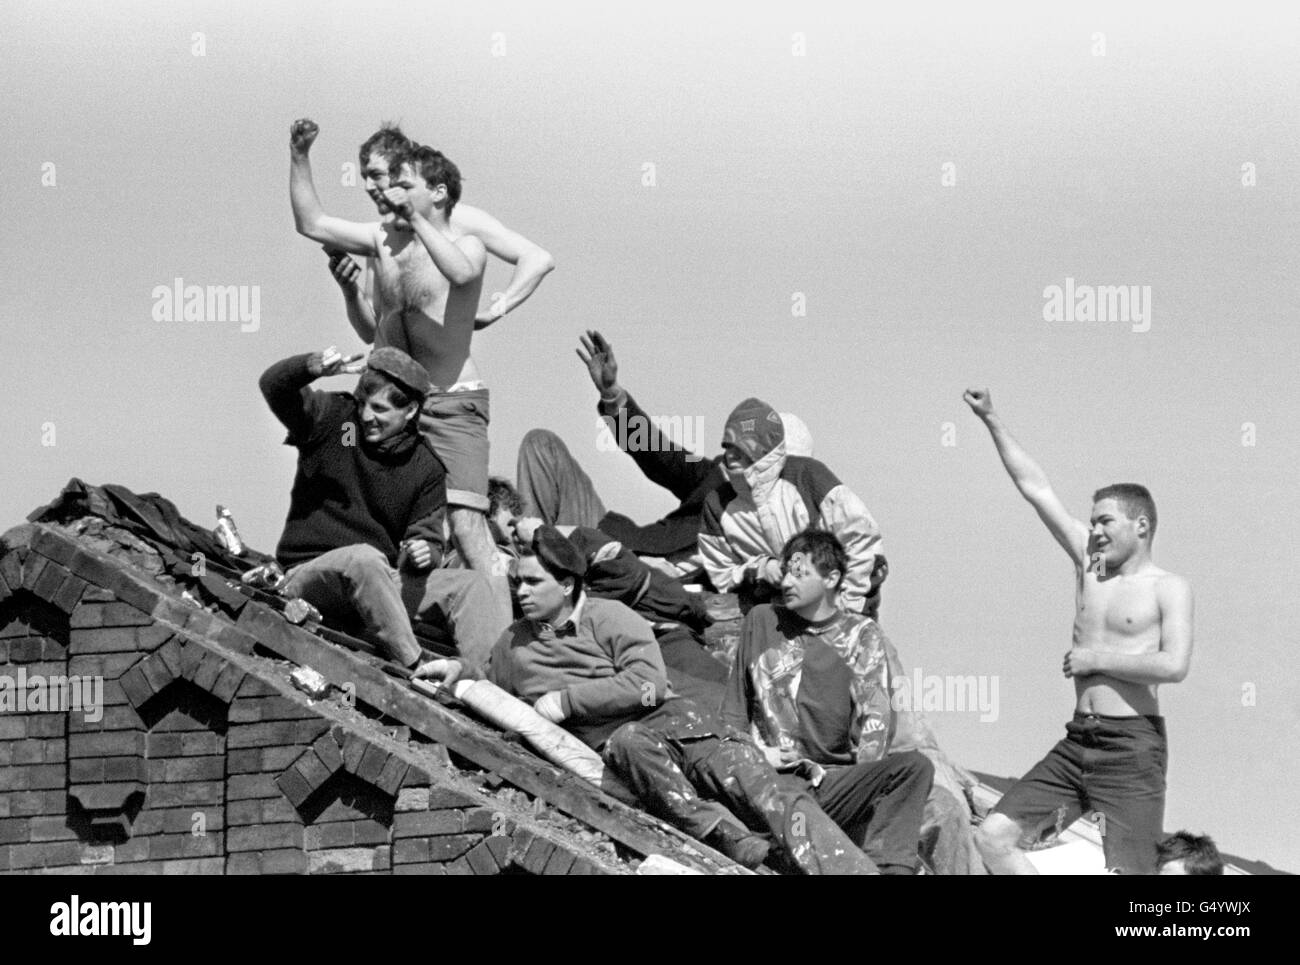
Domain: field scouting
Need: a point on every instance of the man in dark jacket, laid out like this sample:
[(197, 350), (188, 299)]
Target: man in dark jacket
[(555, 488), (364, 534)]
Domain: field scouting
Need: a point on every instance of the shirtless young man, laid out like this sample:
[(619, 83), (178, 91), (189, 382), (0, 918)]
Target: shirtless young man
[(427, 282), (532, 263), (1132, 632)]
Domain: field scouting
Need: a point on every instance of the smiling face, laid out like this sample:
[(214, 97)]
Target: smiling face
[(541, 596), (1113, 536), (381, 419), (375, 176)]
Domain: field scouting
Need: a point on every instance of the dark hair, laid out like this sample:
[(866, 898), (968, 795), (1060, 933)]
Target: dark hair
[(435, 168), (823, 548), (1135, 499), (372, 383), (501, 493), (388, 142), (525, 552), (1197, 852)]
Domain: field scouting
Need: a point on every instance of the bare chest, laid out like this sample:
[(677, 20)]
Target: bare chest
[(1117, 608)]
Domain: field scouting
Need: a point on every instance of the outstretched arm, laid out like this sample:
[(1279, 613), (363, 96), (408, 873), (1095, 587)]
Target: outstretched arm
[(1169, 664), (308, 216), (1032, 482), (532, 262)]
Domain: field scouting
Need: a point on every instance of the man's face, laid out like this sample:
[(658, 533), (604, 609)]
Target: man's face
[(735, 460), (417, 190), (1113, 536), (375, 177), (501, 522), (803, 586), (541, 596), (380, 419)]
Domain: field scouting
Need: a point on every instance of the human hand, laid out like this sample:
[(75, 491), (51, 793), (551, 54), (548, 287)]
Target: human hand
[(446, 672), (551, 706), (600, 362), (980, 401), (332, 362), (1079, 663), (302, 134)]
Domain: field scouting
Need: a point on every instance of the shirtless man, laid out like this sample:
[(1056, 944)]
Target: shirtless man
[(532, 262), (427, 296), (1132, 632)]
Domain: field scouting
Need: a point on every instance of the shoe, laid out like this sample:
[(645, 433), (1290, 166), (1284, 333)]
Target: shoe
[(741, 846)]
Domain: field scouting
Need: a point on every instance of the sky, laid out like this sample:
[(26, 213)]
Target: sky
[(853, 214)]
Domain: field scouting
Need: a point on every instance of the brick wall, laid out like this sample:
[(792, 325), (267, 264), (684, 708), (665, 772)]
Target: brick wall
[(205, 760)]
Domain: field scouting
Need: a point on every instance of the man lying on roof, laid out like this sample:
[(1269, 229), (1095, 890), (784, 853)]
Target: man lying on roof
[(556, 489), (593, 667), (364, 534)]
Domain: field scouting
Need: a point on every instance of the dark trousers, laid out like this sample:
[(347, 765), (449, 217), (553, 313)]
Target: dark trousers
[(675, 777), (880, 806)]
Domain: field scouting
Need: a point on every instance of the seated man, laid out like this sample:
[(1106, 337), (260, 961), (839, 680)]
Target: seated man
[(769, 497), (1184, 853), (811, 685), (593, 666), (677, 617), (368, 499), (555, 488)]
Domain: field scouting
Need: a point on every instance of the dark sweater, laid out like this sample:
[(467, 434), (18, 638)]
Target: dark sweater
[(666, 464), (346, 492)]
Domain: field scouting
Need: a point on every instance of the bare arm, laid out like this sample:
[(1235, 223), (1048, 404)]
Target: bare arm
[(461, 261), (352, 280), (1169, 664), (308, 216), (1032, 482), (532, 262)]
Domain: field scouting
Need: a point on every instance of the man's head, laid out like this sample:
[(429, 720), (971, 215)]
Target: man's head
[(1123, 522), (549, 571), (814, 563), (431, 180), (389, 395), (752, 431), (504, 506), (379, 155), (1184, 853)]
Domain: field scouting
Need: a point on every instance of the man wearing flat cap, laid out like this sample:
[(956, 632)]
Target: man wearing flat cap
[(364, 534), (593, 666)]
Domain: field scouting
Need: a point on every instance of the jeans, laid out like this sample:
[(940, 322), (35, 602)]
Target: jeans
[(358, 582)]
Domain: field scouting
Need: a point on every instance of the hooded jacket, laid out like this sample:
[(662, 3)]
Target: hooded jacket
[(746, 522)]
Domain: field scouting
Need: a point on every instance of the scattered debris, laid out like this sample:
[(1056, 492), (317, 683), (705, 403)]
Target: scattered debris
[(310, 682)]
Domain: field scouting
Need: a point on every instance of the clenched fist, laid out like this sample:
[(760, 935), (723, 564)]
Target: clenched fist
[(302, 134)]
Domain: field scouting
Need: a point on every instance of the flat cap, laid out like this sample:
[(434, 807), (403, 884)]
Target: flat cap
[(557, 553), (401, 368)]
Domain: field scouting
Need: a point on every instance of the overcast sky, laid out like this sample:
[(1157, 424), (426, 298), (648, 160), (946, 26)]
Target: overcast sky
[(799, 162)]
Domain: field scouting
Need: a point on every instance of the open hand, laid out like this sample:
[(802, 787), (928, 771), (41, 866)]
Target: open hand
[(600, 362)]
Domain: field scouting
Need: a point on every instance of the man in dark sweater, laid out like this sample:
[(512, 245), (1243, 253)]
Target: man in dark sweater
[(364, 534)]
